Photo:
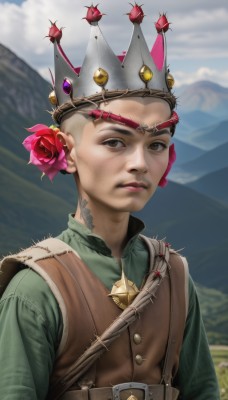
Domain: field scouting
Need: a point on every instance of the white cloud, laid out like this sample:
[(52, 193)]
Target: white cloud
[(203, 73), (199, 32)]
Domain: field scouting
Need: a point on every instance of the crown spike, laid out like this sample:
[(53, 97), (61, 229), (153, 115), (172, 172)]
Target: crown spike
[(64, 72), (137, 56), (99, 56)]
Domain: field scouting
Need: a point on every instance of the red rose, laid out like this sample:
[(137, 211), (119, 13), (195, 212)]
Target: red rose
[(46, 150)]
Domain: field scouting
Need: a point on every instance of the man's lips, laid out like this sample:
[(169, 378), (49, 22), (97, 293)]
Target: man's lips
[(135, 184)]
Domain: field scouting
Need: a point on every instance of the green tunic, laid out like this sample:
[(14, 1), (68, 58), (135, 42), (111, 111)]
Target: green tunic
[(31, 322)]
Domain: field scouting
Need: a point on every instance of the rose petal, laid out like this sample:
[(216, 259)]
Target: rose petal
[(62, 162), (37, 127), (59, 145), (44, 144), (49, 171), (34, 160), (27, 143)]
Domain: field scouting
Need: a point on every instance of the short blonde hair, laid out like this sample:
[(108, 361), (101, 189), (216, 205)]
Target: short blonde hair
[(74, 122)]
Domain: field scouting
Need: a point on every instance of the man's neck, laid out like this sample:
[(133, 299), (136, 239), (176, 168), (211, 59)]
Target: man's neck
[(111, 227)]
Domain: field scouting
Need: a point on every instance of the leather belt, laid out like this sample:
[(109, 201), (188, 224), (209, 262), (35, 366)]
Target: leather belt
[(124, 391)]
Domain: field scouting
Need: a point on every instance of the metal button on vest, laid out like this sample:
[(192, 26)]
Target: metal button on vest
[(137, 338), (132, 397), (138, 359)]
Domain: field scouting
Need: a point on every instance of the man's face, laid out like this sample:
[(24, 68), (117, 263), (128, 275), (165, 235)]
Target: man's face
[(118, 168)]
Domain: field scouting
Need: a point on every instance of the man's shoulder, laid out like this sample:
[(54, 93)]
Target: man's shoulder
[(26, 284), (29, 257), (19, 273), (28, 292)]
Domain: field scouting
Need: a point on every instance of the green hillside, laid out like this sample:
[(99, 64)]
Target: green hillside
[(214, 307), (28, 212)]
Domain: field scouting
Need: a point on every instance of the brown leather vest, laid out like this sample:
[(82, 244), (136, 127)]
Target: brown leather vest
[(139, 353)]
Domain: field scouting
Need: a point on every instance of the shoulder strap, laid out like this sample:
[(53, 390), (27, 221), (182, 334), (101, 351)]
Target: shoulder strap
[(47, 248), (175, 260), (178, 276)]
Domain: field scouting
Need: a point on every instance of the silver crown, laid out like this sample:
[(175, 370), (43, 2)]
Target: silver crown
[(103, 74)]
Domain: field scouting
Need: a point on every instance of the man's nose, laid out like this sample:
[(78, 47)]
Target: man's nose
[(137, 160)]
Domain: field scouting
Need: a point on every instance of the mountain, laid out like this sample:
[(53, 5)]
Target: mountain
[(209, 137), (22, 88), (27, 211), (213, 185), (23, 99), (191, 121), (205, 96), (185, 152), (198, 119), (211, 161), (195, 223)]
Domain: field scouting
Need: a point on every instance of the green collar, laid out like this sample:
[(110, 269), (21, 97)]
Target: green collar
[(95, 242)]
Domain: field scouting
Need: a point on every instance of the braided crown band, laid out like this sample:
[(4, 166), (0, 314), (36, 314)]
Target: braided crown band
[(103, 75)]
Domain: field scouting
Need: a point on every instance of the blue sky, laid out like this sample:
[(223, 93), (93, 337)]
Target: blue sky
[(197, 42)]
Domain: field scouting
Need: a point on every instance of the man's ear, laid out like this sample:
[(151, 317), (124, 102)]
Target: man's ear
[(69, 148)]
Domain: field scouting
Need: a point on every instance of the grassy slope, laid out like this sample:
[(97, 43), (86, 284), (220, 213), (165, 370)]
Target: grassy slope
[(214, 306), (26, 197), (220, 355)]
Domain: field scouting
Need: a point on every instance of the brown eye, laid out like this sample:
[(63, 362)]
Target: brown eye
[(114, 143), (158, 146)]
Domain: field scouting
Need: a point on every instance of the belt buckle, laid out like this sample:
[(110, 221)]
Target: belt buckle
[(117, 389)]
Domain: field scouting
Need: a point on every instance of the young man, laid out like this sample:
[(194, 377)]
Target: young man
[(102, 312)]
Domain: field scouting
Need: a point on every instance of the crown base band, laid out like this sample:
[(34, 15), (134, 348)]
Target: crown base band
[(94, 100)]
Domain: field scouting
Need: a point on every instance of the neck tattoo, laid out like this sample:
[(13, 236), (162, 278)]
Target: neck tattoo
[(85, 213)]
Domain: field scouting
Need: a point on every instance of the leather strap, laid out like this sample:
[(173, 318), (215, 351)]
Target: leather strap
[(155, 392), (168, 373)]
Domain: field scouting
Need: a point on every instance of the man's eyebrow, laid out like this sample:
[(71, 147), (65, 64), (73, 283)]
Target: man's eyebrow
[(117, 129), (159, 132), (127, 132)]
